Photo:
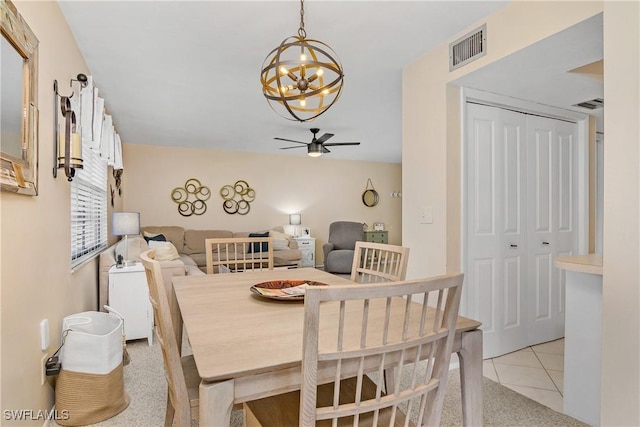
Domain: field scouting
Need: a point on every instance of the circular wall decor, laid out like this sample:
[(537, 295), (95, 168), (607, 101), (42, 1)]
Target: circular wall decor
[(194, 190), (237, 198), (370, 196)]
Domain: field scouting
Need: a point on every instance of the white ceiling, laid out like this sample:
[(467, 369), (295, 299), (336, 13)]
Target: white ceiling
[(186, 73), (541, 72)]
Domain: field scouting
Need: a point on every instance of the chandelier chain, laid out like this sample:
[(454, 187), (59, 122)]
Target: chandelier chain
[(301, 32)]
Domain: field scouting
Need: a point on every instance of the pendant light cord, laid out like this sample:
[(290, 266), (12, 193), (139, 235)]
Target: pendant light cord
[(301, 32)]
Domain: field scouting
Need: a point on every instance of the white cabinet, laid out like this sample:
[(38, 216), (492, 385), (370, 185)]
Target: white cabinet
[(129, 296), (307, 245)]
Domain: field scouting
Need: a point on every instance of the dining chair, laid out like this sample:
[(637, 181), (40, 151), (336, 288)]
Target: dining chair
[(379, 262), (181, 373), (409, 325), (231, 255)]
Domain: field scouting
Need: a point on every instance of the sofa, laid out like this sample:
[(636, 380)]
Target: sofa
[(190, 258)]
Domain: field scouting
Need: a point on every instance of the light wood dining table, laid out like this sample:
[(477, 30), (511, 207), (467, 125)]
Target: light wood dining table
[(247, 347)]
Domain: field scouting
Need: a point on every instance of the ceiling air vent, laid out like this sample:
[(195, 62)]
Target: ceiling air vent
[(468, 48), (593, 104)]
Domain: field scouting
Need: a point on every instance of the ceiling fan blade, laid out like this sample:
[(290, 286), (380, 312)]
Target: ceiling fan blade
[(290, 140), (288, 148), (341, 143), (325, 149), (324, 137)]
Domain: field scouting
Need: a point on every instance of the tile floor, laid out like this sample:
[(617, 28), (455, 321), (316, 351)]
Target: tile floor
[(535, 372)]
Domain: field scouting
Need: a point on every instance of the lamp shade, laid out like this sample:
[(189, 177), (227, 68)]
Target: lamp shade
[(295, 219), (124, 223)]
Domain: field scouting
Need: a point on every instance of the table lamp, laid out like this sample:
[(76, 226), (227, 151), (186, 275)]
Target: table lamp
[(123, 224), (295, 219)]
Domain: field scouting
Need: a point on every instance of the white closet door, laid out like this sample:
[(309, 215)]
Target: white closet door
[(496, 256), (520, 213), (551, 221)]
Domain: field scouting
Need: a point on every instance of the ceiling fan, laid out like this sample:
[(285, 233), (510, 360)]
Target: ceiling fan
[(317, 146)]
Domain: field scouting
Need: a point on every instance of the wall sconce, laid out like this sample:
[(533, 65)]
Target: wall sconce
[(68, 146), (123, 224)]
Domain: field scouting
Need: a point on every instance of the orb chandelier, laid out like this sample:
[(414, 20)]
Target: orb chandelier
[(301, 78)]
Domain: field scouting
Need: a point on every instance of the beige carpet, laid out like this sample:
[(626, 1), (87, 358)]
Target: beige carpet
[(146, 386)]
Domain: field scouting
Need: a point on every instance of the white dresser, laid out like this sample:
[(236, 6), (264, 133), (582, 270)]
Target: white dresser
[(307, 245), (129, 296)]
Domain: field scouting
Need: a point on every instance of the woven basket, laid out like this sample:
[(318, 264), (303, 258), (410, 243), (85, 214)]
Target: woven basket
[(90, 398)]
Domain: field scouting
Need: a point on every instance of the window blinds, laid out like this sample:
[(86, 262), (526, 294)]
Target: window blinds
[(88, 208)]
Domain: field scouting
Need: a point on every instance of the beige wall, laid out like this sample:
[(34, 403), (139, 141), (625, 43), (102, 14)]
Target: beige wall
[(431, 128), (621, 234), (36, 278), (322, 189), (431, 171)]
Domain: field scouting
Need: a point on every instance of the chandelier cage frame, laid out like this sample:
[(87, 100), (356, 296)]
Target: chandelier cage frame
[(302, 77)]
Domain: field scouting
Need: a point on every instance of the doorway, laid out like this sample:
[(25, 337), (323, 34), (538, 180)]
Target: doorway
[(521, 203)]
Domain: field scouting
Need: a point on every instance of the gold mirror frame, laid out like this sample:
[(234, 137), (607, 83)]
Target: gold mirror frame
[(370, 198), (20, 174)]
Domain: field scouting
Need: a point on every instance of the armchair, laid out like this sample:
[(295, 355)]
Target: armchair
[(340, 247)]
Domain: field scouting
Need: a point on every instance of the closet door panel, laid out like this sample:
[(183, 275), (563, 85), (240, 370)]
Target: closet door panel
[(552, 196), (495, 234)]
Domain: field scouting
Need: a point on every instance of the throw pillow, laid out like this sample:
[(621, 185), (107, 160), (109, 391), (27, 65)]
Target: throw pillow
[(136, 246), (280, 244), (280, 240), (157, 237), (278, 235), (255, 247), (165, 251)]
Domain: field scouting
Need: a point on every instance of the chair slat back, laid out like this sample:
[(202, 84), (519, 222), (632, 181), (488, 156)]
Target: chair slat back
[(378, 262), (166, 336), (230, 255), (407, 325)]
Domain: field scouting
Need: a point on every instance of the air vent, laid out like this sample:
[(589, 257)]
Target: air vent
[(594, 104), (468, 48)]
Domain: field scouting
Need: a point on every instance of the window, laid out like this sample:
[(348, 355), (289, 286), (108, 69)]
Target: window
[(88, 208)]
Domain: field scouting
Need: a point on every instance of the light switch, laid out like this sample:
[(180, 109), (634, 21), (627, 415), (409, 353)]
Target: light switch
[(426, 215), (44, 334)]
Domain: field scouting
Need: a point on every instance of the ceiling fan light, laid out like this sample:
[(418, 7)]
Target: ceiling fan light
[(314, 149)]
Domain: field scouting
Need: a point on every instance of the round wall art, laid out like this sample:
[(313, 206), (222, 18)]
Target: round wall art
[(237, 198), (191, 198)]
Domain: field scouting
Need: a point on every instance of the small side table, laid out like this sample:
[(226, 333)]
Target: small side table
[(129, 296), (376, 236), (307, 245)]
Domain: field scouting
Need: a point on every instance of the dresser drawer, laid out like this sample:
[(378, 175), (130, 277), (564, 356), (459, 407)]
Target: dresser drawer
[(305, 243), (376, 236)]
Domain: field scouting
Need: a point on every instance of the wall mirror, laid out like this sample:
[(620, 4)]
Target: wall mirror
[(370, 195), (19, 108)]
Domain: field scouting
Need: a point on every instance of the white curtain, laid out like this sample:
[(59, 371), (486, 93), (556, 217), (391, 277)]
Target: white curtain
[(97, 128)]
